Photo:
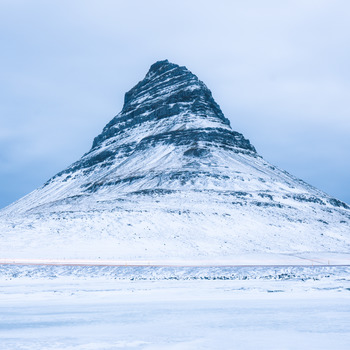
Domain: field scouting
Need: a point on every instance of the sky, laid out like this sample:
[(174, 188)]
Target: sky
[(278, 69)]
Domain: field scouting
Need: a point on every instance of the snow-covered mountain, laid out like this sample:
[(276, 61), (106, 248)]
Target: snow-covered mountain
[(169, 178)]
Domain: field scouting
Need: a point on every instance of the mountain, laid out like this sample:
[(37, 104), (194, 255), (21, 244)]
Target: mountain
[(168, 178)]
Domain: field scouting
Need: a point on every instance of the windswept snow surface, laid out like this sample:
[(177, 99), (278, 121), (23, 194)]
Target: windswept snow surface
[(95, 308)]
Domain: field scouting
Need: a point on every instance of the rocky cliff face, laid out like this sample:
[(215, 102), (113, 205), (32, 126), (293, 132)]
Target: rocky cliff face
[(168, 177), (171, 107)]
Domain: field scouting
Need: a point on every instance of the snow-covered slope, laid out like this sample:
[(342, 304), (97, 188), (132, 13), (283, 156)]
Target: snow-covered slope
[(168, 177)]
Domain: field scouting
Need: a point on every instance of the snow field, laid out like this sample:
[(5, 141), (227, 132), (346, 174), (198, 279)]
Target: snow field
[(96, 308)]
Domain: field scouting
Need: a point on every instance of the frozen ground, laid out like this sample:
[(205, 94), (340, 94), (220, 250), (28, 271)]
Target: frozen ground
[(89, 308)]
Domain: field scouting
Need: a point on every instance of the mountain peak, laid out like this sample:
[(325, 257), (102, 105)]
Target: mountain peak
[(163, 74), (160, 67), (171, 98)]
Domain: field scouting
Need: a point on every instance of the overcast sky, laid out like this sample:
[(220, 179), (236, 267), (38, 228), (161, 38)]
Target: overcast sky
[(278, 69)]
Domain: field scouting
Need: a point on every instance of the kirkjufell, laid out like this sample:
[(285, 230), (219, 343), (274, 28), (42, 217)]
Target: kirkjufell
[(168, 178)]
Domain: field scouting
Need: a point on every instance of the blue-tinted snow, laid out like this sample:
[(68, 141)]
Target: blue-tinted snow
[(98, 308)]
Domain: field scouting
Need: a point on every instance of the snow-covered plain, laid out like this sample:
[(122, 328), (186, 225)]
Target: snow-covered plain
[(100, 307)]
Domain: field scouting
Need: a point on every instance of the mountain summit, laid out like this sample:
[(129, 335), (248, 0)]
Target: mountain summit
[(174, 100), (168, 178)]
